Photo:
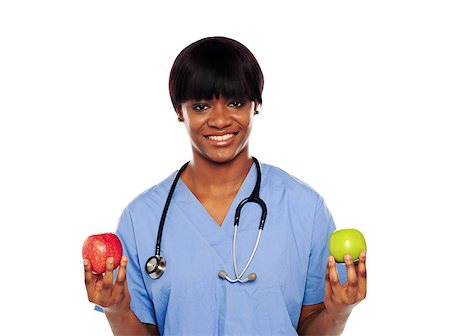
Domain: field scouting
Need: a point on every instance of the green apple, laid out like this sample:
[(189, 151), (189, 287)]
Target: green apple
[(346, 241)]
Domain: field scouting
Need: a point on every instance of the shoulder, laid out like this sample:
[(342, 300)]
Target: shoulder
[(153, 197), (300, 204), (278, 180), (144, 211)]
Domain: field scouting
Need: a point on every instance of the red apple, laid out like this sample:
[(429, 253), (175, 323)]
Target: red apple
[(97, 248)]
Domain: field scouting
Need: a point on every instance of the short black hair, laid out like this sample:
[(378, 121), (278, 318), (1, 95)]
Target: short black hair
[(215, 66)]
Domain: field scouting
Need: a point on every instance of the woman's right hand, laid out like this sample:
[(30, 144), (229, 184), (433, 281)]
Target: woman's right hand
[(113, 298)]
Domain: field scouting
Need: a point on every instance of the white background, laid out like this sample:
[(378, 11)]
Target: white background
[(355, 104)]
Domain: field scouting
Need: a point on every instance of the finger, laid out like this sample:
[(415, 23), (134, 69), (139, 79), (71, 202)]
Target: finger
[(89, 279), (336, 287), (328, 291), (121, 274), (108, 278), (98, 278), (362, 276), (352, 279), (118, 287), (125, 289)]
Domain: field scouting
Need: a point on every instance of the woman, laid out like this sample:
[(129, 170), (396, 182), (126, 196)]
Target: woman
[(291, 286)]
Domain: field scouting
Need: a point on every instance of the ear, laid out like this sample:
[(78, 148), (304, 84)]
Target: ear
[(179, 112), (257, 108)]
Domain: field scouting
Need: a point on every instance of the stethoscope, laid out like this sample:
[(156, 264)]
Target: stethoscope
[(156, 265)]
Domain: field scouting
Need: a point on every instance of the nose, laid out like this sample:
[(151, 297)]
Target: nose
[(219, 116)]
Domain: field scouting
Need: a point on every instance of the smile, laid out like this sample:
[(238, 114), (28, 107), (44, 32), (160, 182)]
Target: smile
[(221, 140), (221, 137)]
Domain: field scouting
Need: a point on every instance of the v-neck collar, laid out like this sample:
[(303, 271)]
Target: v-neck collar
[(203, 221)]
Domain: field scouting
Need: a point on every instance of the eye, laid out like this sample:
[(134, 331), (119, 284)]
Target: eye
[(236, 103), (200, 107)]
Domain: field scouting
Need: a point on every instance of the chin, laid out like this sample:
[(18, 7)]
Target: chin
[(223, 156)]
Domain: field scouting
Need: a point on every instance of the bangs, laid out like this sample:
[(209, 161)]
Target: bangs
[(216, 76), (214, 69)]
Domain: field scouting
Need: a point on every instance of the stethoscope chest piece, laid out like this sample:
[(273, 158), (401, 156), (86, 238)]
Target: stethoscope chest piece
[(155, 266)]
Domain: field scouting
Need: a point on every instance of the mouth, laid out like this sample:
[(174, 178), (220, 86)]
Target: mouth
[(221, 140)]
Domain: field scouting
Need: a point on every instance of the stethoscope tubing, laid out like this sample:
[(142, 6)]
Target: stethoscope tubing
[(166, 208), (238, 277)]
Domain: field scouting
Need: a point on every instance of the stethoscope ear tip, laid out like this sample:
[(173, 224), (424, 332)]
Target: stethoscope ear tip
[(222, 274), (251, 277)]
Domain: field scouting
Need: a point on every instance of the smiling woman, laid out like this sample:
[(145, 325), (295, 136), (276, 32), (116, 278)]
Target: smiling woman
[(216, 89)]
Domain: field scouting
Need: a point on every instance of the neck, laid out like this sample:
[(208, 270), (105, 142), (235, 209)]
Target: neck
[(225, 176)]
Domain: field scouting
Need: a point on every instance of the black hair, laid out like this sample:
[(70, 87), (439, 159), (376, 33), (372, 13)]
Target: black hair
[(215, 66)]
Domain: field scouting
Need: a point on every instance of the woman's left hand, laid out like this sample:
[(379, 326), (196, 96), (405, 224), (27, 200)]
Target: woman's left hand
[(340, 299)]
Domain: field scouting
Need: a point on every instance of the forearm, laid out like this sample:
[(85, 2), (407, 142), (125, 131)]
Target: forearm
[(323, 324), (126, 324)]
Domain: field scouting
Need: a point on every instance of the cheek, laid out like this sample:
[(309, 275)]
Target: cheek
[(192, 125), (247, 120)]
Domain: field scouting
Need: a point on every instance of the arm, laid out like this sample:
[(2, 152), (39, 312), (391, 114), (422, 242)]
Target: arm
[(330, 317), (127, 323), (316, 321)]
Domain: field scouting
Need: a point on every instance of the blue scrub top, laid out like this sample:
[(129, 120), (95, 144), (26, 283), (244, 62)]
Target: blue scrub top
[(190, 298)]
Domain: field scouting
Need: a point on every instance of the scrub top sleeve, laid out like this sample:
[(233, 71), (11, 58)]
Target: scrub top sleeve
[(323, 226), (141, 304)]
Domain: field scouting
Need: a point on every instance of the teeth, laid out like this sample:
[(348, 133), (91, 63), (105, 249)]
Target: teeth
[(220, 137)]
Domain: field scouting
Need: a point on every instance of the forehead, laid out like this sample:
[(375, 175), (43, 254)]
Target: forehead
[(215, 99)]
